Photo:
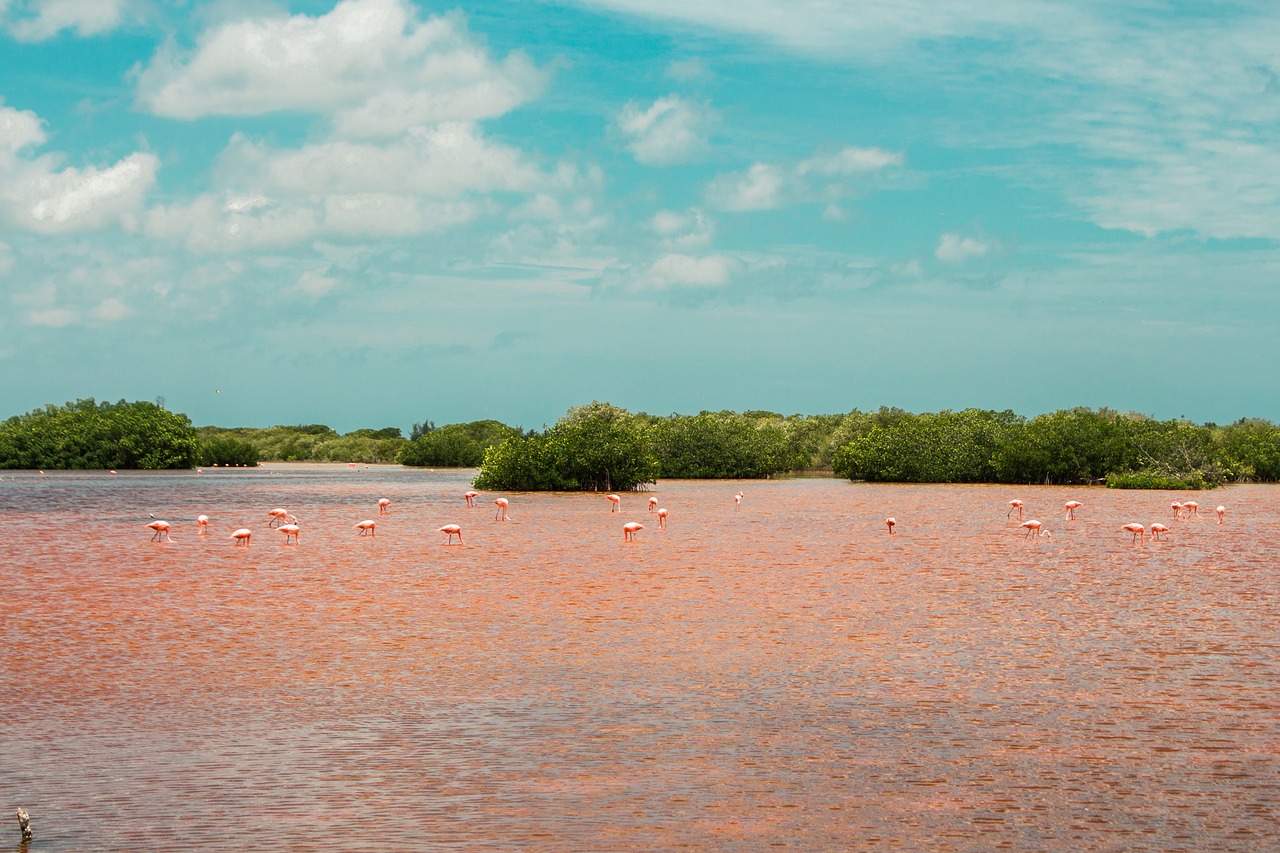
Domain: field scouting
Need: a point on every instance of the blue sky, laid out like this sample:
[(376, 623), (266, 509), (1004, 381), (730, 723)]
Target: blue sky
[(378, 212)]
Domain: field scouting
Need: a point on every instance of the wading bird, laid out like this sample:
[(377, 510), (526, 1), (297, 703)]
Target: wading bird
[(616, 503), (1221, 511), (653, 502), (1191, 508), (202, 521), (471, 498), (500, 514), (630, 529), (161, 528), (1071, 509), (1012, 506), (452, 530), (1137, 530), (367, 526), (737, 502), (383, 503), (289, 530), (1156, 529), (662, 518), (278, 516), (1032, 526), (242, 536)]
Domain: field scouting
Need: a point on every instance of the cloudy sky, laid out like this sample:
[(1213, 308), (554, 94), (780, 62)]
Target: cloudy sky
[(378, 212)]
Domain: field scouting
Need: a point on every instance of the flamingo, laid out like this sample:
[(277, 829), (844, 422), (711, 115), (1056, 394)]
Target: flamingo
[(471, 497), (737, 502), (161, 528), (367, 526), (501, 513), (452, 530), (1137, 530), (1156, 529), (1032, 526), (653, 502), (242, 536), (662, 518), (1012, 506), (383, 503), (1071, 509), (202, 521), (1177, 510), (1191, 508), (630, 529), (616, 503), (889, 523), (1221, 511), (289, 530), (278, 515)]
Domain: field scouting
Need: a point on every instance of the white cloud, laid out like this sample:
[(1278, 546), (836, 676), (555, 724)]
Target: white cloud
[(370, 64), (54, 318), (824, 178), (687, 230), (37, 196), (679, 270), (111, 310), (670, 130), (759, 188), (47, 18), (315, 283), (954, 249)]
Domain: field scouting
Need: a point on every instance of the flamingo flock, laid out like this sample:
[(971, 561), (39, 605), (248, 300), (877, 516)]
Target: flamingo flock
[(287, 523)]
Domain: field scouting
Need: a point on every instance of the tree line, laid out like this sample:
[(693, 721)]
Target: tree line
[(602, 447)]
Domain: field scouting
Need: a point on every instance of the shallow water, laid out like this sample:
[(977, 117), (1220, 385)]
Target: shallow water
[(785, 675)]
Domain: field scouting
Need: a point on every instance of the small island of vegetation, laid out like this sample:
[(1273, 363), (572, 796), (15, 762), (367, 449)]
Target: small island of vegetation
[(600, 447)]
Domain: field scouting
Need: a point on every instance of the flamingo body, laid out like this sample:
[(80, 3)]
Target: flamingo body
[(1221, 511), (452, 530), (383, 503), (630, 529), (289, 530), (1156, 530), (1071, 509), (278, 516), (501, 513), (242, 536), (1137, 530), (889, 523), (653, 502), (202, 521), (1015, 504), (471, 498), (662, 518), (615, 503), (1032, 526), (367, 527), (161, 528)]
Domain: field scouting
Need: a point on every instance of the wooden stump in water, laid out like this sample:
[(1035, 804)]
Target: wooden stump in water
[(24, 824)]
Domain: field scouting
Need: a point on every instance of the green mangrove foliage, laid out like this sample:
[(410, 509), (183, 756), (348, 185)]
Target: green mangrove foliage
[(714, 445), (455, 445), (1074, 446), (592, 448), (303, 443), (88, 434)]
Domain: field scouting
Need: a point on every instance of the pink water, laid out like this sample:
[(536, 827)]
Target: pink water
[(787, 675)]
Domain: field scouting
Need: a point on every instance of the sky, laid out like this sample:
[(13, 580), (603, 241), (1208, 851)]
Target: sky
[(377, 213)]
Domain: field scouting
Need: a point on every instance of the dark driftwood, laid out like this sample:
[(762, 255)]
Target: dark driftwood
[(24, 824)]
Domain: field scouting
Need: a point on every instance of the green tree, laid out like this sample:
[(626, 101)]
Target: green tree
[(456, 445), (88, 434)]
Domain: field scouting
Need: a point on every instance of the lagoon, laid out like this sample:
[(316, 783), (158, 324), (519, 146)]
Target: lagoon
[(782, 675)]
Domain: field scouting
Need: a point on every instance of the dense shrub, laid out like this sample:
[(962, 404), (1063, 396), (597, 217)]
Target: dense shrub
[(88, 434)]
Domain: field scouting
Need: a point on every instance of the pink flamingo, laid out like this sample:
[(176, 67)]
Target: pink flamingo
[(1177, 510), (1156, 529), (471, 498), (367, 526), (289, 530), (202, 522), (383, 503), (1221, 511), (452, 530), (501, 513), (662, 518), (1071, 509), (161, 528), (653, 502), (1012, 506), (889, 523), (242, 536), (1191, 508), (1137, 530), (616, 503), (737, 502), (1032, 526), (630, 529), (278, 515)]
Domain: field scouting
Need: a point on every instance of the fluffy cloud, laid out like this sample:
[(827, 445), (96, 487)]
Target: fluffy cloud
[(670, 130), (823, 177), (954, 249), (370, 64), (47, 18), (691, 229), (37, 196)]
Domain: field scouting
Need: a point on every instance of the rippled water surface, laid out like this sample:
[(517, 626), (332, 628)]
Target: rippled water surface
[(785, 675)]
